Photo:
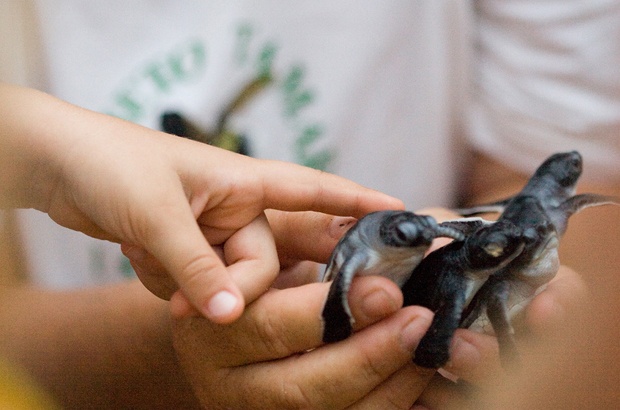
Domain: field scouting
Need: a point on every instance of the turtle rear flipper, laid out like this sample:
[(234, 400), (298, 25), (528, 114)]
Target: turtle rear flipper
[(477, 305), (497, 311)]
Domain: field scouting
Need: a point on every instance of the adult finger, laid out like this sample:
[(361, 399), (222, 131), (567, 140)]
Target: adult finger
[(251, 258), (442, 393), (286, 322), (475, 357), (174, 238), (339, 374), (550, 308), (399, 391), (307, 235), (290, 187)]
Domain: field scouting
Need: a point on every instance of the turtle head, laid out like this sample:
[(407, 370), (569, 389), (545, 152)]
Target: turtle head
[(527, 212), (564, 168), (406, 229), (493, 246)]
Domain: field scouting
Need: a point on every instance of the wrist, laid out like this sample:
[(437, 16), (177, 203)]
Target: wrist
[(28, 171)]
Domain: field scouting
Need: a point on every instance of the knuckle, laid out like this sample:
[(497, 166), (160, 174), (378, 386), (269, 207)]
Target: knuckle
[(196, 270), (273, 334), (294, 396), (370, 368)]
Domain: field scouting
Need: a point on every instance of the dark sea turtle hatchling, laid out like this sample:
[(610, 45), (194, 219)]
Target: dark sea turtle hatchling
[(542, 210), (510, 289), (386, 243), (554, 184), (447, 279)]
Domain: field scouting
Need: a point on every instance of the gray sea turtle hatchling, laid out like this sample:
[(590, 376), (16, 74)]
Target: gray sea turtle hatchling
[(386, 243), (542, 210), (447, 279), (554, 182)]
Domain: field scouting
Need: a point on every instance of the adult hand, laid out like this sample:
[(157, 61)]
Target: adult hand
[(272, 357), (302, 239), (474, 357), (168, 196)]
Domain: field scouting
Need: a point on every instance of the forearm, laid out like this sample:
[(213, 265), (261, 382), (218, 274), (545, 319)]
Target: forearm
[(105, 347), (27, 170)]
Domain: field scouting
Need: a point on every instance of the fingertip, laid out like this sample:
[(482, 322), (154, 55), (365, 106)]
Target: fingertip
[(414, 330), (463, 355), (223, 307)]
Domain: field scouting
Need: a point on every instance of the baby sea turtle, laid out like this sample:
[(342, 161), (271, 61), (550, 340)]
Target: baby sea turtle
[(541, 210), (554, 183), (511, 288), (387, 243), (447, 279)]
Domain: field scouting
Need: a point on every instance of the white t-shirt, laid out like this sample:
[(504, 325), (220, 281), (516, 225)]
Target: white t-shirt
[(370, 91), (378, 92), (547, 79)]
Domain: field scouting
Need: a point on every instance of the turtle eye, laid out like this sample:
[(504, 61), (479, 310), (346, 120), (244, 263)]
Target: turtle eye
[(405, 232)]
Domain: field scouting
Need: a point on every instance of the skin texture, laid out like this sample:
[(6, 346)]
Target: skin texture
[(169, 197)]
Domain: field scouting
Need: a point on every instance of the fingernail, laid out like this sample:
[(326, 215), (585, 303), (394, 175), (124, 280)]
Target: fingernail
[(221, 305), (462, 354), (340, 225), (414, 330)]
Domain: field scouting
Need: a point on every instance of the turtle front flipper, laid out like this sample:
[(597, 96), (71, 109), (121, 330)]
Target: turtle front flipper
[(493, 207), (433, 351), (577, 203), (465, 226), (477, 305), (337, 317), (497, 312)]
